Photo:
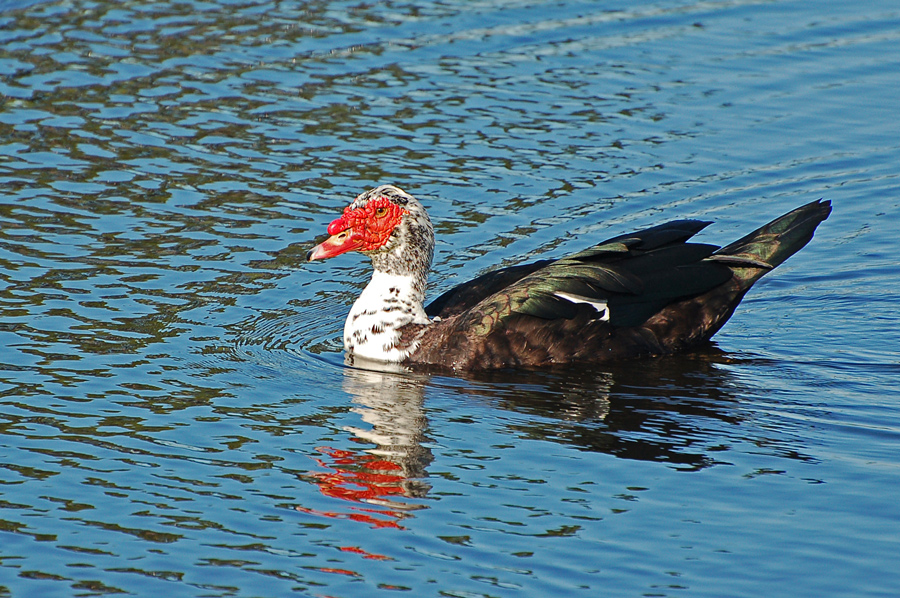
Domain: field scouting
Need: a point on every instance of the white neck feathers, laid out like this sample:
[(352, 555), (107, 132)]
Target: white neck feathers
[(387, 303)]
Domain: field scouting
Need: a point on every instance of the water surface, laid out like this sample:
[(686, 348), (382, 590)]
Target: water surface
[(175, 415)]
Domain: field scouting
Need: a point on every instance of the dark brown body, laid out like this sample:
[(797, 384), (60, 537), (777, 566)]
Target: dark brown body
[(664, 295)]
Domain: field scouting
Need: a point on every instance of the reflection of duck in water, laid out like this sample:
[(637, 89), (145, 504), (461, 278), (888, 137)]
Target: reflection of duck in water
[(384, 476), (645, 293), (665, 410), (661, 410)]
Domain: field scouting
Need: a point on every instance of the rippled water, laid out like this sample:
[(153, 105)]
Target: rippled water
[(175, 415)]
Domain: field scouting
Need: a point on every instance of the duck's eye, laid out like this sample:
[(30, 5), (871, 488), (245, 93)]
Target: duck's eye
[(379, 212)]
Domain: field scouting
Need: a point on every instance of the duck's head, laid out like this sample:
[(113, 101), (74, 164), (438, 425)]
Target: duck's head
[(385, 223)]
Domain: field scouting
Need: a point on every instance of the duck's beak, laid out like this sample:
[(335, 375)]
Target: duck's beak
[(334, 245)]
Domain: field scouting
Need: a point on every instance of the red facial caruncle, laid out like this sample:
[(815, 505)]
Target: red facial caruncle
[(365, 228)]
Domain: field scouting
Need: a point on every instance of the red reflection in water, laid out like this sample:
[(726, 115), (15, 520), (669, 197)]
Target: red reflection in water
[(366, 554), (339, 571), (361, 477)]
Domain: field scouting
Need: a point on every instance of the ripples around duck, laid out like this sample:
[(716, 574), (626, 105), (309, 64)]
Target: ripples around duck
[(175, 414)]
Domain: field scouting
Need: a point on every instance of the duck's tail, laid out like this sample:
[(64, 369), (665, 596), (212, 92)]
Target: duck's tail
[(765, 248), (749, 259)]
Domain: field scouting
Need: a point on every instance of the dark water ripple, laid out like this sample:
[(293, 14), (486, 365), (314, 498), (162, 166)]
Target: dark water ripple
[(175, 414)]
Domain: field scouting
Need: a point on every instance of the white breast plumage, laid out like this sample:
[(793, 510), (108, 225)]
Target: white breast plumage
[(386, 304)]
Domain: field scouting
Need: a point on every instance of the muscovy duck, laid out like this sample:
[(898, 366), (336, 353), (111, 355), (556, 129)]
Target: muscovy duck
[(641, 294)]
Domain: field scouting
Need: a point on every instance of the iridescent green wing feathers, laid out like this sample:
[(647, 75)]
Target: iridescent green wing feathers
[(625, 280)]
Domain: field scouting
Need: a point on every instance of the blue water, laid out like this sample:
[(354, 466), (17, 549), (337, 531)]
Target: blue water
[(175, 415)]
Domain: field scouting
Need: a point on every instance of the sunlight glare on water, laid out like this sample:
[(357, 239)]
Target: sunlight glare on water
[(175, 414)]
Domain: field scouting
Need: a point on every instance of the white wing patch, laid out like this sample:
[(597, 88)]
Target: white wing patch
[(598, 304)]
